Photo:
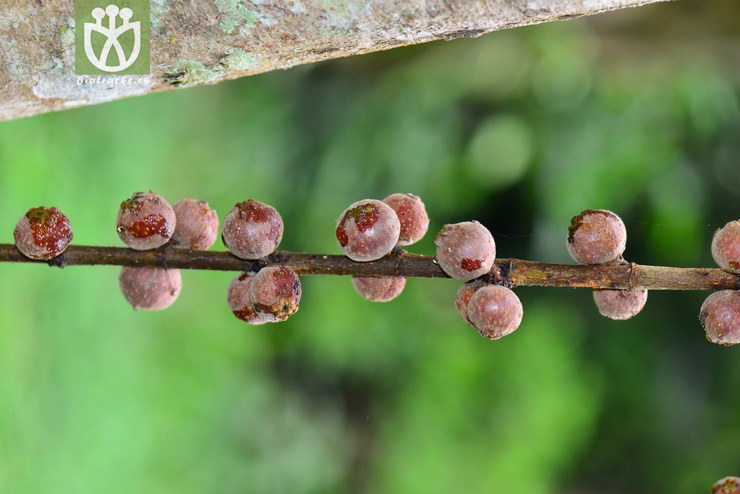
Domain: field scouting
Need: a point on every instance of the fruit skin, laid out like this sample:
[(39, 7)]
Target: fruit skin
[(727, 485), (275, 293), (197, 225), (495, 311), (252, 230), (412, 214), (237, 296), (150, 288), (43, 233), (726, 246), (367, 230), (463, 296), (596, 236), (620, 304), (465, 250), (379, 289), (720, 317), (146, 221)]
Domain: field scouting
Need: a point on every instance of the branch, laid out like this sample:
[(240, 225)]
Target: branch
[(205, 42), (510, 272)]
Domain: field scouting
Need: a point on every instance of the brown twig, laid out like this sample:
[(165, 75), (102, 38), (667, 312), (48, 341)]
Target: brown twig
[(510, 272)]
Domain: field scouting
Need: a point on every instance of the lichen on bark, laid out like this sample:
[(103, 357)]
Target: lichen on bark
[(195, 43)]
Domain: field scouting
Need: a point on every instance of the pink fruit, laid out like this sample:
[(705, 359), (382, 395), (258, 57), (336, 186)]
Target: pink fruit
[(596, 236), (368, 230), (726, 246), (495, 311), (150, 288), (464, 294), (620, 304), (252, 230), (465, 250), (379, 289), (238, 299), (197, 225), (720, 317), (146, 221), (275, 293), (411, 214), (43, 233), (727, 485)]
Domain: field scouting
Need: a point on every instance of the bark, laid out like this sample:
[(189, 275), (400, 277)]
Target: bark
[(508, 272), (208, 41)]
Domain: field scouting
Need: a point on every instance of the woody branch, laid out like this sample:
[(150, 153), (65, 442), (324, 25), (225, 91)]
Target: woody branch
[(198, 43), (510, 272)]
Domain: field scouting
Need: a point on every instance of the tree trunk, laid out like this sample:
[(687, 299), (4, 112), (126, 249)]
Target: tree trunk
[(195, 42)]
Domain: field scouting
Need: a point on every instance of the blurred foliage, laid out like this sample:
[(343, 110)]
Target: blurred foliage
[(521, 130)]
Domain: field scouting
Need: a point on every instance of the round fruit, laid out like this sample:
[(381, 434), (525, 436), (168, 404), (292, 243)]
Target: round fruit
[(252, 230), (720, 317), (237, 297), (727, 485), (411, 214), (146, 221), (43, 233), (150, 288), (379, 289), (464, 294), (726, 246), (495, 311), (596, 236), (465, 250), (368, 230), (275, 293), (620, 304), (197, 225)]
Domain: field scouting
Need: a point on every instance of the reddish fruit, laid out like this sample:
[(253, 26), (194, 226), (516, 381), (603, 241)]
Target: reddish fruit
[(275, 293), (379, 289), (368, 230), (197, 225), (596, 236), (620, 304), (150, 288), (728, 485), (726, 246), (465, 250), (238, 299), (464, 294), (43, 233), (720, 317), (146, 221), (495, 311), (252, 230), (411, 214)]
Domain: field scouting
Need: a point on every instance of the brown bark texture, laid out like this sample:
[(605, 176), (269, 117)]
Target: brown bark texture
[(508, 272)]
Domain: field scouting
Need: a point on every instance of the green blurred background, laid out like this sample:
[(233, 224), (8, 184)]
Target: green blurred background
[(637, 112)]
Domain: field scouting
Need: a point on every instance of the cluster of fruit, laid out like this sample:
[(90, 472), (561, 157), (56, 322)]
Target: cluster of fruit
[(252, 230), (597, 236), (367, 230), (720, 312), (600, 237)]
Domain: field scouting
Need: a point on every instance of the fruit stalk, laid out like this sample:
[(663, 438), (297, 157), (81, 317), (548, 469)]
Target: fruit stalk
[(508, 272)]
